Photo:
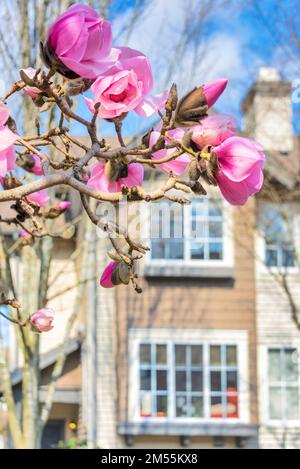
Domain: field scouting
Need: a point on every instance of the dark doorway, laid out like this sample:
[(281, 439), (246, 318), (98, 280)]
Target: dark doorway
[(54, 433)]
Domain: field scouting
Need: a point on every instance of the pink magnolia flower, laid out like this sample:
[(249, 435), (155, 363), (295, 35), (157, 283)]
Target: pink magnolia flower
[(126, 87), (24, 234), (213, 130), (42, 320), (37, 168), (64, 205), (31, 91), (100, 182), (176, 166), (82, 41), (40, 198), (106, 278), (241, 162), (213, 91), (7, 140)]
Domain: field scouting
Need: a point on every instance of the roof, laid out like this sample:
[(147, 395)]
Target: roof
[(285, 168), (49, 358)]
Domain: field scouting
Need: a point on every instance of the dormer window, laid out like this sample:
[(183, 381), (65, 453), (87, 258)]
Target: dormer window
[(277, 226), (191, 235)]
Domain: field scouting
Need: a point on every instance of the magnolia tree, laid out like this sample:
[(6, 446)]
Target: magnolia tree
[(189, 146)]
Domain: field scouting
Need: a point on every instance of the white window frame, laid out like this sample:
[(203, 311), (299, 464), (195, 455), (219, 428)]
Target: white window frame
[(228, 244), (265, 395), (188, 337)]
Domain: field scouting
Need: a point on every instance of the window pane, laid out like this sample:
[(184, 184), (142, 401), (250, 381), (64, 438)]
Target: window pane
[(181, 406), (275, 403), (215, 381), (180, 354), (161, 380), (167, 249), (158, 249), (198, 207), (161, 354), (215, 355), (145, 404), (216, 410), (145, 379), (215, 251), (180, 381), (271, 258), (274, 366), (197, 251), (196, 355), (232, 381), (215, 229), (145, 354), (292, 403), (231, 355), (291, 365), (162, 406), (197, 384), (232, 409), (199, 228), (197, 407), (288, 257), (215, 208)]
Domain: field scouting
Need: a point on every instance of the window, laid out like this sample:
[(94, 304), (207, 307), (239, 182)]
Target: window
[(223, 381), (4, 326), (188, 380), (283, 373), (190, 233), (278, 229), (153, 380)]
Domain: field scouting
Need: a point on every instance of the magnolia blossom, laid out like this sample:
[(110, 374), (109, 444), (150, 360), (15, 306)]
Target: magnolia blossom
[(212, 91), (176, 166), (213, 130), (126, 87), (64, 205), (82, 41), (40, 198), (37, 168), (7, 140), (106, 278), (31, 91), (101, 182), (24, 234), (42, 320), (241, 164)]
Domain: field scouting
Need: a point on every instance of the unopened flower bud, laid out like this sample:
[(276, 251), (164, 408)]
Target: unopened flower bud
[(42, 320), (194, 171), (172, 100), (191, 108)]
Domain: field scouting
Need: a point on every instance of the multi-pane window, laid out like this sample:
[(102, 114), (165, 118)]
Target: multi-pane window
[(153, 380), (189, 233), (223, 374), (278, 228), (189, 380), (283, 380)]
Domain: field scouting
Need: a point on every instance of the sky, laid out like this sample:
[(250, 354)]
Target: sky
[(235, 40)]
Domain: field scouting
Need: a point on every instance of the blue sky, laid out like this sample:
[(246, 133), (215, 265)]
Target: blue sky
[(236, 39)]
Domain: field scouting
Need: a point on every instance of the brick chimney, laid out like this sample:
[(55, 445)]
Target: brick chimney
[(267, 112)]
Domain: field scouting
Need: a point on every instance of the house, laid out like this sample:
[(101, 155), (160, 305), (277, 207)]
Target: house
[(64, 418), (277, 263), (207, 356)]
